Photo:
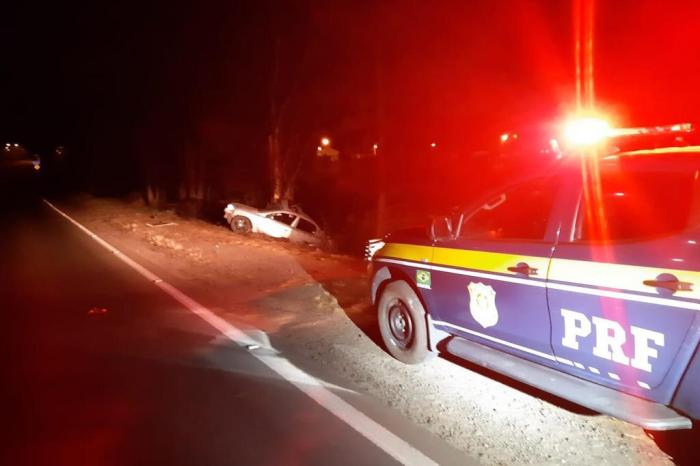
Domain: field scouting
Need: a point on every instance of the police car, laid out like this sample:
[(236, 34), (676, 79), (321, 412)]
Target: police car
[(581, 279)]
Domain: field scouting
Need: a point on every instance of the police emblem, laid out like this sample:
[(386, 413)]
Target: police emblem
[(482, 304), (423, 279)]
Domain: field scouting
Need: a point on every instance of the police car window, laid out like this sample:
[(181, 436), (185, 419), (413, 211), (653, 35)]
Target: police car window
[(520, 213), (305, 225), (637, 205), (283, 217)]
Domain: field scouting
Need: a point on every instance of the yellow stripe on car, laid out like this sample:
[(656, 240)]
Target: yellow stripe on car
[(410, 252), (487, 261), (577, 272), (484, 261)]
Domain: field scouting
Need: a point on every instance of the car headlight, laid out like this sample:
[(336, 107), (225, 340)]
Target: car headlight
[(230, 207), (372, 246)]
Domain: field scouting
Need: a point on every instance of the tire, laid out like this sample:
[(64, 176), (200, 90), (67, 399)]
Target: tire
[(402, 324), (241, 224)]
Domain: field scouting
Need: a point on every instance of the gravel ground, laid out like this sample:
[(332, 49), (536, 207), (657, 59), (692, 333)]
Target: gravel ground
[(314, 307)]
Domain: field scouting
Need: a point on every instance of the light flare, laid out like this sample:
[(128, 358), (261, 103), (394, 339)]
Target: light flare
[(586, 131)]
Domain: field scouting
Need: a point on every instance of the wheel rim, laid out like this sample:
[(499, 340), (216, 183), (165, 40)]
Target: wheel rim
[(401, 324), (240, 224)]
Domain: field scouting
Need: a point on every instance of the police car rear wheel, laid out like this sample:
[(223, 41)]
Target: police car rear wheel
[(402, 323)]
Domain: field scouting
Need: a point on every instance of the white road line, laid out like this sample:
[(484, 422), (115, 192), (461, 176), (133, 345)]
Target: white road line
[(315, 389)]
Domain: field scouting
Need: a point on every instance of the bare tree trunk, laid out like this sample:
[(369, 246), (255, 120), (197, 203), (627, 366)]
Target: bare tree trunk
[(275, 164), (152, 197), (192, 180), (289, 189)]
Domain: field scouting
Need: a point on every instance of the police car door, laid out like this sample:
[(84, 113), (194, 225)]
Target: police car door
[(623, 284), (489, 281)]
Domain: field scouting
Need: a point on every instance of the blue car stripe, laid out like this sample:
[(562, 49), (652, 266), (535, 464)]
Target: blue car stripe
[(534, 352), (503, 342)]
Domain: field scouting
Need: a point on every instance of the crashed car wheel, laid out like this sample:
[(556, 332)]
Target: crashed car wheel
[(240, 224), (402, 323)]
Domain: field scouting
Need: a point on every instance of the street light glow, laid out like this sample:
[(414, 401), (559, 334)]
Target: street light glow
[(325, 142)]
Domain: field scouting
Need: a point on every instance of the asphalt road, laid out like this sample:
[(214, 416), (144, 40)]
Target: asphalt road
[(104, 368)]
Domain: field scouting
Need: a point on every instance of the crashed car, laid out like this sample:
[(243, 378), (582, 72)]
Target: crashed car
[(288, 224), (582, 279)]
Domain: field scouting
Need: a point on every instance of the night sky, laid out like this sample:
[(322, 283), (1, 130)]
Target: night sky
[(121, 83)]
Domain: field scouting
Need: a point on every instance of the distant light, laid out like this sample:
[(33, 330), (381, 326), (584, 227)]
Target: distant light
[(433, 145), (375, 146), (506, 137), (586, 131), (692, 241), (319, 148), (676, 259), (37, 167), (16, 145), (619, 194), (325, 141)]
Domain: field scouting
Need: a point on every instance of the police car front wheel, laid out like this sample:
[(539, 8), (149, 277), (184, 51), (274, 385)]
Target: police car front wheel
[(402, 323)]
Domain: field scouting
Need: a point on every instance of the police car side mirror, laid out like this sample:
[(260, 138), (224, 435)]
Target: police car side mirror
[(441, 229)]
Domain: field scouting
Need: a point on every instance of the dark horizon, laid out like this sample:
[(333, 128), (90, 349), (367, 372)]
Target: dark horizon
[(119, 85)]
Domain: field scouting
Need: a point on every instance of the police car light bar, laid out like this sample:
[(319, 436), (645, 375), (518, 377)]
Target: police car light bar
[(591, 131), (652, 130)]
